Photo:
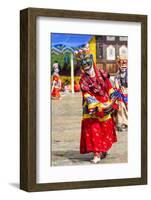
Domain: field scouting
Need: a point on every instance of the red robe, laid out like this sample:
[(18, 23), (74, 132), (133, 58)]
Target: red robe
[(97, 129)]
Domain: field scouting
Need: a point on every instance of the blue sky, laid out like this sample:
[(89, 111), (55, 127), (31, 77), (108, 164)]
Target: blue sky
[(69, 40)]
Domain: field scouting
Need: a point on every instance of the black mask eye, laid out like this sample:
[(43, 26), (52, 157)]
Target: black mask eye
[(84, 62)]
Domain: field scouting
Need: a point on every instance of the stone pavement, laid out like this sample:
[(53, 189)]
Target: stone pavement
[(65, 135)]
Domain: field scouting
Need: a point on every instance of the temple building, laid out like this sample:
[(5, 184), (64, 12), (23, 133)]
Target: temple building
[(108, 48)]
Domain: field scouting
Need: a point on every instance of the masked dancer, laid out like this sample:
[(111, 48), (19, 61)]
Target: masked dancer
[(99, 103)]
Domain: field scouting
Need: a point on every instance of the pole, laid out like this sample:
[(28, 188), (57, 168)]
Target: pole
[(72, 74)]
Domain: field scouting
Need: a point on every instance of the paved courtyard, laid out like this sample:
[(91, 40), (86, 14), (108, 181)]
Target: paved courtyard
[(65, 135)]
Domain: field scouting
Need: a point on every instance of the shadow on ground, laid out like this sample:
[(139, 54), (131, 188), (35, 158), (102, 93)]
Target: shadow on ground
[(16, 185), (73, 156), (64, 158)]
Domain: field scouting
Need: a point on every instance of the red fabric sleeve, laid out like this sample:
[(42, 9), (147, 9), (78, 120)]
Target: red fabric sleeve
[(84, 85)]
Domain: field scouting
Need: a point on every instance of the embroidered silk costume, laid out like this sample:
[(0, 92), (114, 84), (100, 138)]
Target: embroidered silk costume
[(98, 128)]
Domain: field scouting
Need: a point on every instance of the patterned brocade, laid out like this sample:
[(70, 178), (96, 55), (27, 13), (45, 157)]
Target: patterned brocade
[(101, 119)]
